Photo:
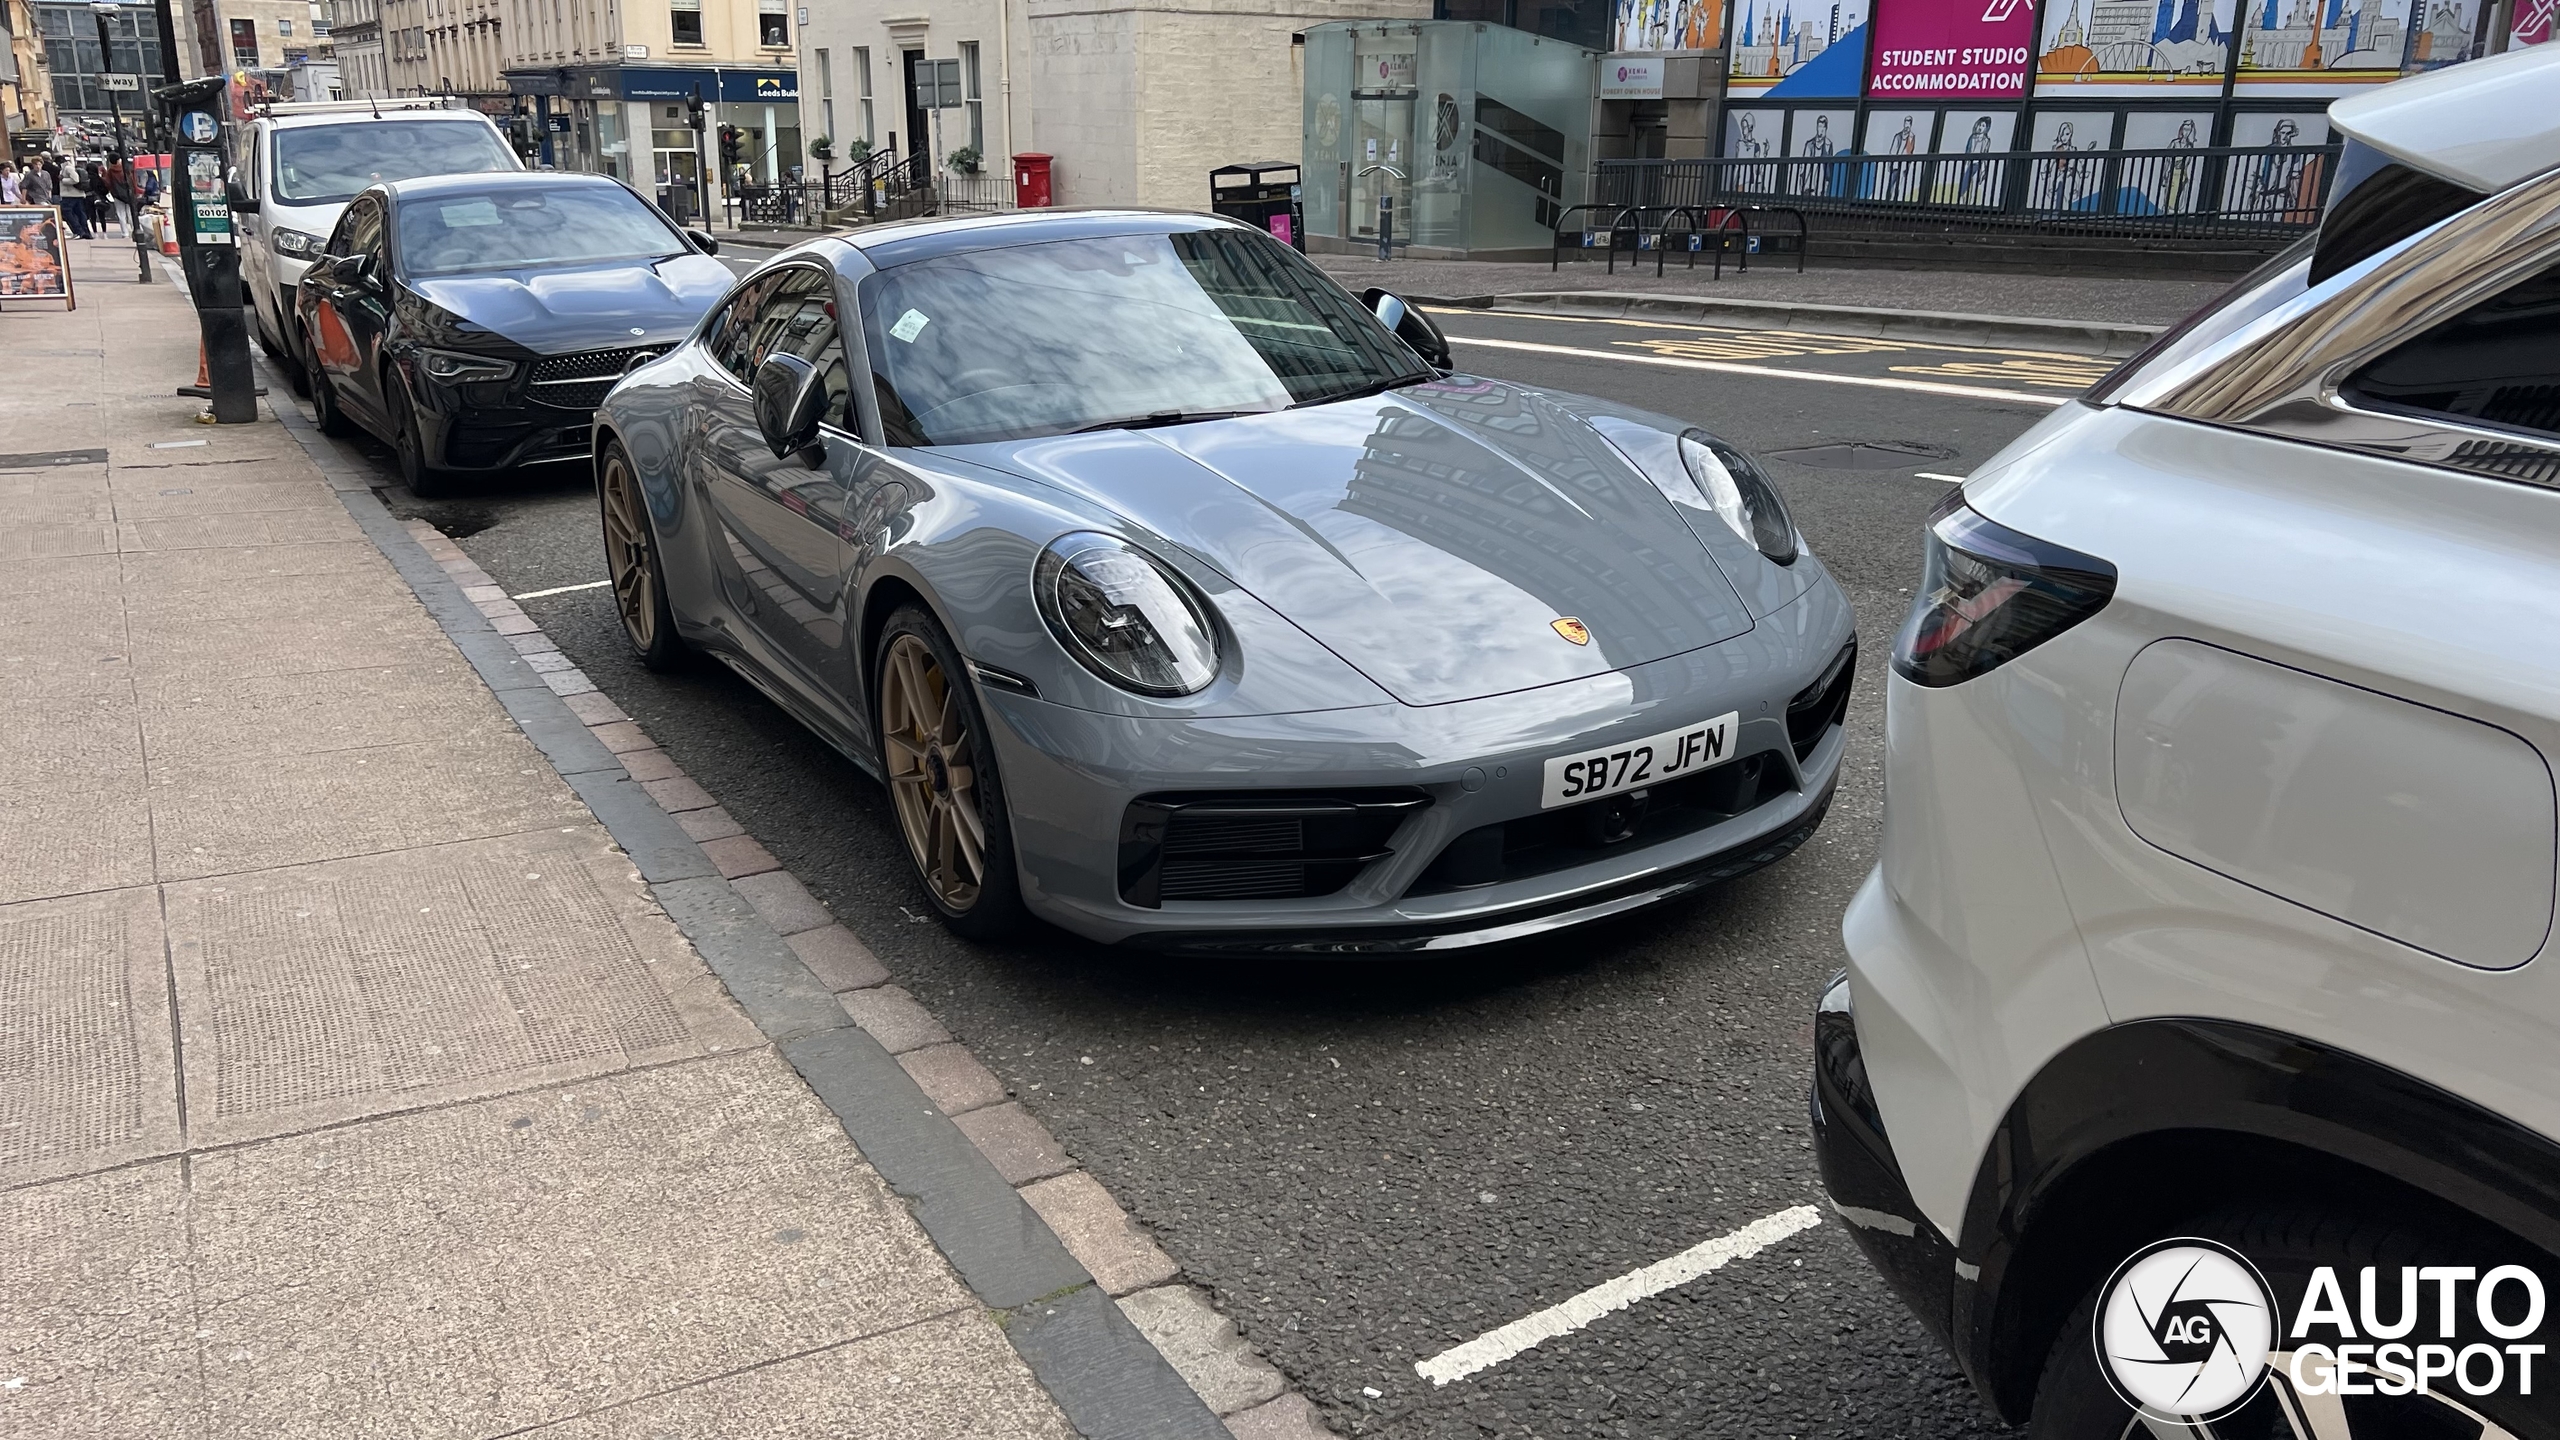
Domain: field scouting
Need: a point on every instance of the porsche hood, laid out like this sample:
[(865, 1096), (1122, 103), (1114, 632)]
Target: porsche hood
[(1450, 540)]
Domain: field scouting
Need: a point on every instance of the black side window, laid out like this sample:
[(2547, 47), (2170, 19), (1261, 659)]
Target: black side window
[(360, 233), (728, 339), (798, 317), (2497, 363)]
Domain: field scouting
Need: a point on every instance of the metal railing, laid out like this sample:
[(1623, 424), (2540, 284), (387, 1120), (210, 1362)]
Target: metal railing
[(880, 184), (975, 194), (2191, 193)]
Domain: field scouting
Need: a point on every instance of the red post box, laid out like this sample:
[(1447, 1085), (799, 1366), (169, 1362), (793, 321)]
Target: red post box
[(1031, 181)]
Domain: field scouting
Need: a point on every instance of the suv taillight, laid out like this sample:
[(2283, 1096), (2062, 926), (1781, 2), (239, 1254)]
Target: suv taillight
[(1989, 595)]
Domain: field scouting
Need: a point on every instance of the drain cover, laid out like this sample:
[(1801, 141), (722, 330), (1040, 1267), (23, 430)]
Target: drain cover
[(30, 459), (1864, 454)]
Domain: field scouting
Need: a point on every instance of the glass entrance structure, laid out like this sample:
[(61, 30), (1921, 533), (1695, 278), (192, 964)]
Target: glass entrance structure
[(1480, 132)]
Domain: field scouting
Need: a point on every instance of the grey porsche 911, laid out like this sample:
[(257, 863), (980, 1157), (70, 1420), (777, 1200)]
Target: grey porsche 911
[(1181, 600)]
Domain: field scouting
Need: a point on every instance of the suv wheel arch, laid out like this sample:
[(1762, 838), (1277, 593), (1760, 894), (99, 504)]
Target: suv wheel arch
[(2148, 1124)]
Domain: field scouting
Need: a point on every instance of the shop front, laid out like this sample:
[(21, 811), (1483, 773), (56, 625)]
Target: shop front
[(637, 124)]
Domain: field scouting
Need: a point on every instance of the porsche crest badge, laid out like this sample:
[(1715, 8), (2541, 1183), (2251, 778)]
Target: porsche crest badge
[(1572, 629)]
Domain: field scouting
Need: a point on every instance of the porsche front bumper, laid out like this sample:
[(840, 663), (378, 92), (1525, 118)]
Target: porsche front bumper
[(1071, 777)]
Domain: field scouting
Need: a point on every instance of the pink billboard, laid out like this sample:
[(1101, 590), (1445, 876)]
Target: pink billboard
[(1951, 49)]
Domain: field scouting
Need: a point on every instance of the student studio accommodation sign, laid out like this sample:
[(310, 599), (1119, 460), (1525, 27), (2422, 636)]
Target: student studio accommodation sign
[(1952, 49)]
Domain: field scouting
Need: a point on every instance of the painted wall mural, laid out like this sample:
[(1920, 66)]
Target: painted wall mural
[(1667, 25), (2133, 47), (1786, 49)]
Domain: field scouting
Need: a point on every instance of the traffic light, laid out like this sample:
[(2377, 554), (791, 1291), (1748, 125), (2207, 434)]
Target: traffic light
[(693, 113), (729, 140)]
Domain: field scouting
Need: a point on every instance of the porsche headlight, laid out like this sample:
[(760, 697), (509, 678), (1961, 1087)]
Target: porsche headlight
[(1741, 494), (1124, 615)]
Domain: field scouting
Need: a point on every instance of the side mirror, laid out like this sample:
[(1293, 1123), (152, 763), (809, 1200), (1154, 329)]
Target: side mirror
[(358, 270), (702, 241), (791, 398), (234, 193), (1412, 327)]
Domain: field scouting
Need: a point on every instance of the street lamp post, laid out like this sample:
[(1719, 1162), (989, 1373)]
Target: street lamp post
[(105, 10)]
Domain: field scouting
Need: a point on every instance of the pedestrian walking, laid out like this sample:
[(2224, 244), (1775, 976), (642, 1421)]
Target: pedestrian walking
[(66, 193), (120, 191), (36, 187), (8, 184), (95, 185)]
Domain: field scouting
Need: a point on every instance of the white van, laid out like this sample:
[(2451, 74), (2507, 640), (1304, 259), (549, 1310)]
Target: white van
[(297, 166)]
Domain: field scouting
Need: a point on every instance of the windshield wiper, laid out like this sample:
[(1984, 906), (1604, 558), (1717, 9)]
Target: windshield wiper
[(1358, 392), (1162, 417)]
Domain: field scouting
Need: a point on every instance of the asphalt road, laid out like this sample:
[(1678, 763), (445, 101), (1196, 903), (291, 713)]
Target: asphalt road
[(1369, 1163)]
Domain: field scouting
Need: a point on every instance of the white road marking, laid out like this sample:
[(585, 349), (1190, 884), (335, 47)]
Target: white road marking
[(1771, 372), (1738, 327), (563, 589), (1495, 1346), (1934, 475)]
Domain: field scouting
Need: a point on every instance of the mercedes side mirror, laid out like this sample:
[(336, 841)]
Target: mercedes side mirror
[(791, 398), (702, 241), (1412, 327)]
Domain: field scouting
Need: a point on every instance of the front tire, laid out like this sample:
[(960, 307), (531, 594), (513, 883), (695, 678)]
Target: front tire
[(325, 410), (407, 442), (278, 343), (631, 558), (943, 784)]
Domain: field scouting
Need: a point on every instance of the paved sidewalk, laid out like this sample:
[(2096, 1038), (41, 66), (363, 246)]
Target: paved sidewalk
[(352, 1081)]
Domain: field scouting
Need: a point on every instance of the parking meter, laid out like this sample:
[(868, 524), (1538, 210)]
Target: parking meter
[(208, 250)]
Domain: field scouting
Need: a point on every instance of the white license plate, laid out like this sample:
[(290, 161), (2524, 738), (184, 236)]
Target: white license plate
[(1653, 760)]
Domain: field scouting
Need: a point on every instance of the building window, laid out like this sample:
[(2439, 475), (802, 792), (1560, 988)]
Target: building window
[(685, 17), (284, 28), (969, 92), (826, 96), (862, 87), (773, 24), (244, 44)]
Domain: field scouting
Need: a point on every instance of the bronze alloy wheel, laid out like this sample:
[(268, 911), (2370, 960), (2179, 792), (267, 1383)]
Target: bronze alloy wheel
[(626, 554), (930, 756), (631, 558)]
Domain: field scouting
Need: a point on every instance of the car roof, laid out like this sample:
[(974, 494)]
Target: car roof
[(2485, 124), (901, 242), (477, 181), (358, 117)]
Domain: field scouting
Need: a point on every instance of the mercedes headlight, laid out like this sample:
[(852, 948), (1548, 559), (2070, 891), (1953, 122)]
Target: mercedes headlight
[(297, 245), (1741, 494), (456, 368), (1124, 615)]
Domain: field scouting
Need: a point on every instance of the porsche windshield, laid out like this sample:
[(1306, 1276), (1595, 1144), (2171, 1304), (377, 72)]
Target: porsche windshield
[(1151, 329), (326, 164)]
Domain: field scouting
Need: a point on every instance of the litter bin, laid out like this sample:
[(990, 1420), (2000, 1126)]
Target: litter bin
[(1263, 193), (1031, 180)]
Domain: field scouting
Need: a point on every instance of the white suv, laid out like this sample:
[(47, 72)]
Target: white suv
[(297, 166), (2217, 875)]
